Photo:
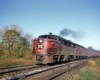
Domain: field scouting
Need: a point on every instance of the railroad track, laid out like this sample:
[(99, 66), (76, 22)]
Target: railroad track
[(65, 70), (47, 72), (15, 70), (28, 71), (13, 67)]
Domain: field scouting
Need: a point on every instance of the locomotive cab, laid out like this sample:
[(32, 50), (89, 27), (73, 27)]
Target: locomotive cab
[(44, 48)]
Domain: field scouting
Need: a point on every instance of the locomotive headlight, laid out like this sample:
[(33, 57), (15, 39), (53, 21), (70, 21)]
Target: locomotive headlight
[(40, 40)]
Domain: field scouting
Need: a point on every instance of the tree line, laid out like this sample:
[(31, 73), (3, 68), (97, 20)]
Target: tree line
[(14, 43)]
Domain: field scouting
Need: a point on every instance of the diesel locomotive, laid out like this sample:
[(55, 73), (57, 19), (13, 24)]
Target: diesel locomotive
[(51, 48)]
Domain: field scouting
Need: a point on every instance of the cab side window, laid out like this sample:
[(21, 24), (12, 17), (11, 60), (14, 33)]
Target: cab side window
[(72, 45), (61, 41), (65, 43)]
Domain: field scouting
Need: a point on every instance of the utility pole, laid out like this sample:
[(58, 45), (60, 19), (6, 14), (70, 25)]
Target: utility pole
[(9, 46), (8, 39)]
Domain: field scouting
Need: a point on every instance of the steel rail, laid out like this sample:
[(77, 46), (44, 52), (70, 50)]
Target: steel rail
[(19, 69), (14, 67), (38, 71), (55, 76)]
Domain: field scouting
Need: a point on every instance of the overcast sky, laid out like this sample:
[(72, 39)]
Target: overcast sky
[(43, 16)]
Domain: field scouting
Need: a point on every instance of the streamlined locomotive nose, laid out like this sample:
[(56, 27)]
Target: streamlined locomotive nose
[(43, 49)]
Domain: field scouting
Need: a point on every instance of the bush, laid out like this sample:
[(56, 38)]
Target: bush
[(3, 56), (92, 63)]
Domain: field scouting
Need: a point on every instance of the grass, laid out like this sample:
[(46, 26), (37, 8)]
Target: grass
[(90, 72), (6, 62), (92, 63), (97, 61), (88, 75), (12, 62)]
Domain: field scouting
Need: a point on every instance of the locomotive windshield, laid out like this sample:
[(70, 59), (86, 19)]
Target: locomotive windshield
[(48, 36), (44, 36)]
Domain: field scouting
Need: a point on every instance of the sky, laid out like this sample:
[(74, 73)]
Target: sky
[(39, 17)]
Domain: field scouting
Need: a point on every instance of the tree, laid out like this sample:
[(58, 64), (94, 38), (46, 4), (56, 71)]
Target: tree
[(29, 39), (1, 48), (4, 29), (10, 39), (21, 48), (17, 28), (14, 42), (0, 36)]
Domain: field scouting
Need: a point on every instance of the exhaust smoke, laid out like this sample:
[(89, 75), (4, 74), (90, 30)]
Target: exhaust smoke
[(68, 32)]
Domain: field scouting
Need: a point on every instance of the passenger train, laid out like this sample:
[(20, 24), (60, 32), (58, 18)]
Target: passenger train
[(51, 48)]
